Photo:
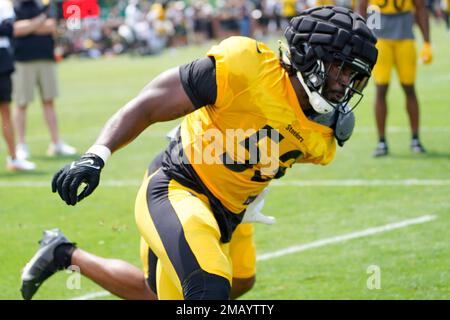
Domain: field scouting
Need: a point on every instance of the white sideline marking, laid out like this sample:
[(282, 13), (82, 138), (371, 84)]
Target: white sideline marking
[(361, 182), (344, 237), (396, 129), (282, 183), (312, 245)]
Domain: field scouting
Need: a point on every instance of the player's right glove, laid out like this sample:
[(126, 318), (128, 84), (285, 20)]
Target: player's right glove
[(253, 212), (85, 170)]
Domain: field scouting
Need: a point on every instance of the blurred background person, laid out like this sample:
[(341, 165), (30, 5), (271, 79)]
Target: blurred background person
[(445, 5), (6, 68), (36, 67), (396, 48), (288, 11), (200, 18)]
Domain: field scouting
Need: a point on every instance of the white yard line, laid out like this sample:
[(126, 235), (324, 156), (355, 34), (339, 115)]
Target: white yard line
[(361, 182), (281, 183), (344, 237), (395, 129), (312, 245)]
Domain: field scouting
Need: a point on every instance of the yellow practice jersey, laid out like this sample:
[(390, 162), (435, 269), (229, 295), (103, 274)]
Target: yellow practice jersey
[(325, 2), (393, 6), (289, 8), (255, 130), (340, 3)]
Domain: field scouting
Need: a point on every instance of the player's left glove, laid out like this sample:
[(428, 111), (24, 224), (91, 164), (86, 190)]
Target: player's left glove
[(426, 54), (85, 170), (253, 211)]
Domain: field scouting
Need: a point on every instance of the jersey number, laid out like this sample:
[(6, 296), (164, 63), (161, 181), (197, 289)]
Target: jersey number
[(266, 131)]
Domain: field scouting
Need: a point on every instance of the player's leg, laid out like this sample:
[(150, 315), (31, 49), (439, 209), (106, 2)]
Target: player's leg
[(382, 76), (56, 252), (116, 276), (380, 118), (179, 227), (243, 256), (412, 106), (242, 252), (406, 61)]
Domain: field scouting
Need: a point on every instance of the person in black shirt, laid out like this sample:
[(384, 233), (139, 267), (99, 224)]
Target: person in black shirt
[(6, 68), (35, 66)]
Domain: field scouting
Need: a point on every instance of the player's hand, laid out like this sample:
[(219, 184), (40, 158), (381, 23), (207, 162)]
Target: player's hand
[(85, 170), (253, 211), (426, 54)]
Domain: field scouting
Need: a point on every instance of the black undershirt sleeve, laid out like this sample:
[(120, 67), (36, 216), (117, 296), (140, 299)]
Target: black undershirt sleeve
[(199, 81)]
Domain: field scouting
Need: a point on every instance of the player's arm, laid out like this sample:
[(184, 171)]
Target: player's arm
[(421, 16), (421, 13), (169, 96), (163, 99), (362, 8)]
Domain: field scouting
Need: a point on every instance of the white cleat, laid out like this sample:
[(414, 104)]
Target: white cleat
[(19, 164), (61, 149)]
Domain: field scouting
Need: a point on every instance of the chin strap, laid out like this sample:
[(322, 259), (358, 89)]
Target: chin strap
[(319, 104)]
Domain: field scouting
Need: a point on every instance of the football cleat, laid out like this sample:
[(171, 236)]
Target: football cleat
[(381, 150), (416, 147), (42, 265)]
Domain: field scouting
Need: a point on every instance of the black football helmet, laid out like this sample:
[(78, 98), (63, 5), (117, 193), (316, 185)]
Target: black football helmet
[(320, 37)]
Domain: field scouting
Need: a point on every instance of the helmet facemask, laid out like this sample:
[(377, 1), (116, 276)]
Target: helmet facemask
[(316, 78)]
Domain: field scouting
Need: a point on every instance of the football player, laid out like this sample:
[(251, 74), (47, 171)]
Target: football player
[(397, 49), (299, 103)]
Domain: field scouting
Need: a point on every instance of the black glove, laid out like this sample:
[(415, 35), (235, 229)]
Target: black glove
[(85, 170)]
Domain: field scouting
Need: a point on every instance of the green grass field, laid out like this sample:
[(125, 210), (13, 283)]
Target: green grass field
[(414, 260)]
